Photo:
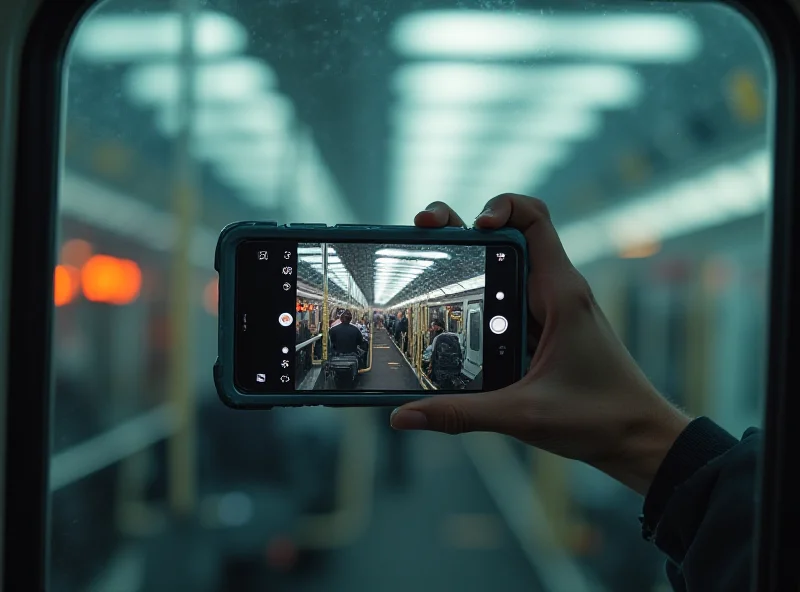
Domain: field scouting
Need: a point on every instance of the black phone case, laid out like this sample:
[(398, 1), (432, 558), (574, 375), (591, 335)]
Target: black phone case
[(225, 264)]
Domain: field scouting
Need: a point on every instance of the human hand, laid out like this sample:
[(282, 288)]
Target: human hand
[(583, 397)]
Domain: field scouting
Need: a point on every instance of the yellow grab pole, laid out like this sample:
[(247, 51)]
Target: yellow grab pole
[(181, 446), (325, 310)]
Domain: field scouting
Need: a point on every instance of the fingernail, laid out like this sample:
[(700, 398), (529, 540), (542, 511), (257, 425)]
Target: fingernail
[(408, 420), (431, 208), (487, 213)]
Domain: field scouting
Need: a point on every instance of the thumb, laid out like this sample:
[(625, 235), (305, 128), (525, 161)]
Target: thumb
[(457, 414)]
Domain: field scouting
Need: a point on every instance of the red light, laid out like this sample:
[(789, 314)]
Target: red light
[(111, 280), (66, 284)]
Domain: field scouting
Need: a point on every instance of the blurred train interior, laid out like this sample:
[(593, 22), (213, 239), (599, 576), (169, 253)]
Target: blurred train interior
[(644, 127)]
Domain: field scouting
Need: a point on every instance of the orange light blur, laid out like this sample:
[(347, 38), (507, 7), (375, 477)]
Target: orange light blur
[(641, 251), (76, 252), (111, 280), (211, 297), (66, 284)]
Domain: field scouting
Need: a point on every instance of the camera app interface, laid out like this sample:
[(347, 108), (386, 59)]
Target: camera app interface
[(375, 317)]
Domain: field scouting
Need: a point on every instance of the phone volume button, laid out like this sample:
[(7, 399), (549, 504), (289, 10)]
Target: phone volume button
[(307, 225)]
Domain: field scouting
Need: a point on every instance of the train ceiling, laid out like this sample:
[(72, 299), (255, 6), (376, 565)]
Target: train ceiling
[(389, 274), (345, 75)]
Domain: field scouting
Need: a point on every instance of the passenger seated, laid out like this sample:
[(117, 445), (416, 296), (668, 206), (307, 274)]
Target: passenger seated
[(345, 338), (446, 358)]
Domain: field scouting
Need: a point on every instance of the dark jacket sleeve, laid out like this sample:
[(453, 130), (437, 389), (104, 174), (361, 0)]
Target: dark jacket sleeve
[(700, 509)]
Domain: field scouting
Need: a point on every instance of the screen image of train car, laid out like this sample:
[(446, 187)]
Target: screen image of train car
[(459, 313)]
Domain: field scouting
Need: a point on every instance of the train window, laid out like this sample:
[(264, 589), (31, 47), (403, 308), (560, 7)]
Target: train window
[(475, 325), (644, 126)]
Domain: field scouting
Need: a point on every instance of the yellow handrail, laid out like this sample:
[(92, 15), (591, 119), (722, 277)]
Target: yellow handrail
[(369, 367)]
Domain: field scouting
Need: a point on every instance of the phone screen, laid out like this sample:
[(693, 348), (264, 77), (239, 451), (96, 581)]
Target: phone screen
[(380, 318)]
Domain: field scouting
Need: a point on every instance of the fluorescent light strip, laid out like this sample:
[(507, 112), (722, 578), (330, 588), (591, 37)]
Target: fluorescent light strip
[(235, 80), (394, 274), (407, 253), (449, 290), (527, 123), (314, 251), (127, 38), (399, 269), (584, 86), (719, 195), (337, 272), (318, 259), (465, 34), (393, 262)]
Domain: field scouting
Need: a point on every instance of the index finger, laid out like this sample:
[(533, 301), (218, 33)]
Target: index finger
[(531, 217), (438, 215)]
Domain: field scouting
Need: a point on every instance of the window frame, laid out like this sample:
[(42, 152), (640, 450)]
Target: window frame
[(32, 230)]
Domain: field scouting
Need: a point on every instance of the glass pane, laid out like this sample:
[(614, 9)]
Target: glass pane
[(644, 126), (475, 339)]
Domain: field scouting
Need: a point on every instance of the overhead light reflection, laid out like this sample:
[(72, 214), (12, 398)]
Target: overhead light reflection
[(675, 210), (236, 80), (318, 259), (314, 250), (131, 37), (482, 34), (565, 86), (394, 262), (528, 123)]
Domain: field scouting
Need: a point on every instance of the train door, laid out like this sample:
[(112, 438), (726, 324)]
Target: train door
[(737, 362), (473, 346)]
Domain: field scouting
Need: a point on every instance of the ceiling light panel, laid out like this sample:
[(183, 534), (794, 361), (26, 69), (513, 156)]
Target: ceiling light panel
[(464, 34), (585, 86), (402, 262), (314, 250), (529, 123), (234, 80), (416, 253), (127, 38)]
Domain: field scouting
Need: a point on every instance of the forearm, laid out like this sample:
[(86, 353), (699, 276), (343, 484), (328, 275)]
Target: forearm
[(645, 445)]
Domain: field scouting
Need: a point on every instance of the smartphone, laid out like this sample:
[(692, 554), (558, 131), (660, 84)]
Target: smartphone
[(352, 315)]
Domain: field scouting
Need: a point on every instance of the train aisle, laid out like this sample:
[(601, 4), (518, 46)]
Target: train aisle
[(438, 533), (390, 370)]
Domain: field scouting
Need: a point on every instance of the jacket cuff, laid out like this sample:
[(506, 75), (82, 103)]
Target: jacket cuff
[(700, 442)]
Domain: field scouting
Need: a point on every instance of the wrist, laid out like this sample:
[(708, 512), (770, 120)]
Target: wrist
[(645, 445)]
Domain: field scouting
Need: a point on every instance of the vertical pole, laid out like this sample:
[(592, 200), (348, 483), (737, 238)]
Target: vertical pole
[(181, 446), (325, 311)]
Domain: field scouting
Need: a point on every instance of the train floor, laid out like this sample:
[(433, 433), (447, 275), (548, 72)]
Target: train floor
[(390, 370), (434, 528)]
